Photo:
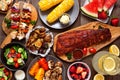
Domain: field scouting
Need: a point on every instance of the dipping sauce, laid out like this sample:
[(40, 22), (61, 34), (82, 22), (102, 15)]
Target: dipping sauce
[(19, 75), (65, 18)]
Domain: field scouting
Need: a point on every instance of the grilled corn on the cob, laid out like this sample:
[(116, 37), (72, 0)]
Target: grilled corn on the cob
[(59, 10), (47, 4)]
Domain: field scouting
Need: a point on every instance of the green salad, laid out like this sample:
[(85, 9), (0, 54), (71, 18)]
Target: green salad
[(15, 56)]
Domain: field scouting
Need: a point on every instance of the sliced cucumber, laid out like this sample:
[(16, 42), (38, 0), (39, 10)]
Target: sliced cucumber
[(25, 54), (22, 56), (5, 77), (1, 73), (20, 50), (19, 60), (10, 61)]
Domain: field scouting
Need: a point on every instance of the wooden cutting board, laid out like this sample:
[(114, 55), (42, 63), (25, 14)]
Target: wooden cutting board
[(115, 32), (8, 39), (34, 16)]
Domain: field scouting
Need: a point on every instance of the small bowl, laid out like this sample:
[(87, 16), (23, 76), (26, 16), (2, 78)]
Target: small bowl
[(10, 72), (4, 61), (72, 73)]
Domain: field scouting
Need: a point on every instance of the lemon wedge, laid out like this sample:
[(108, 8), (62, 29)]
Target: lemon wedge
[(109, 64), (114, 50), (99, 77)]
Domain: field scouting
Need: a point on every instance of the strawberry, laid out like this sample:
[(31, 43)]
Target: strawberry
[(114, 21), (84, 74), (79, 70), (73, 69), (75, 76), (102, 15)]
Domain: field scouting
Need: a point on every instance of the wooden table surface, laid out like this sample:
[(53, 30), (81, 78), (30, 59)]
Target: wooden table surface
[(80, 21)]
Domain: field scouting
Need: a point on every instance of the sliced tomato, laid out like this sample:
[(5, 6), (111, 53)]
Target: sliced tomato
[(15, 59), (5, 70), (16, 18), (25, 20), (9, 55), (7, 73), (14, 27), (16, 65), (2, 78), (18, 55), (25, 30), (12, 51)]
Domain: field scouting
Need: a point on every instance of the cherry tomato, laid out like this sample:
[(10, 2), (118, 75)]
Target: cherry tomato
[(92, 50), (12, 51), (25, 30), (16, 18), (9, 55), (15, 59), (84, 51), (7, 73), (16, 65), (5, 70), (18, 55), (2, 78), (43, 63), (14, 27)]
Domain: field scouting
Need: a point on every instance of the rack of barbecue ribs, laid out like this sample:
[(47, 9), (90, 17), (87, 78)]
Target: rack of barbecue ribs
[(92, 35)]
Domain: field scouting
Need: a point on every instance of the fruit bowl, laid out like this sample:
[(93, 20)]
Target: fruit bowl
[(14, 56), (78, 71), (6, 74)]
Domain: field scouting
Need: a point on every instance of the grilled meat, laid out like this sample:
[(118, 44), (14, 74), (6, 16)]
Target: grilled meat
[(79, 39)]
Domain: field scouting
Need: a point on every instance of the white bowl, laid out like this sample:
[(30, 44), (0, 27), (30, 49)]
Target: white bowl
[(89, 71)]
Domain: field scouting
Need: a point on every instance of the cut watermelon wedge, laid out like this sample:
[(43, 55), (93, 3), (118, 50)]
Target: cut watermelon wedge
[(93, 0), (108, 4), (100, 5), (91, 9)]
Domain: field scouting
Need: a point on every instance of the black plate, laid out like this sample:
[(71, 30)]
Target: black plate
[(49, 57), (74, 12), (3, 59)]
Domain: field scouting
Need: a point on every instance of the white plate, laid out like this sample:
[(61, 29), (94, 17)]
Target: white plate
[(104, 21), (36, 51)]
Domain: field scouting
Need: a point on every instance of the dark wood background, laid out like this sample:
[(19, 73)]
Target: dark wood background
[(80, 21)]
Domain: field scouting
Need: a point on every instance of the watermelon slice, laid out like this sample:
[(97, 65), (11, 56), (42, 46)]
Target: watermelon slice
[(93, 0), (108, 4), (90, 9), (100, 5)]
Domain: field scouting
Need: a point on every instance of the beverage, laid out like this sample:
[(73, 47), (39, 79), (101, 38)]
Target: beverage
[(105, 63)]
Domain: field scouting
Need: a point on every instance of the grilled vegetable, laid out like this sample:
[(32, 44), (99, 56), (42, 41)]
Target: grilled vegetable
[(65, 6), (40, 74), (47, 4)]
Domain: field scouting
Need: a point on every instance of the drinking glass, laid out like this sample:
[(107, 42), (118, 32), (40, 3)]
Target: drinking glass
[(105, 63)]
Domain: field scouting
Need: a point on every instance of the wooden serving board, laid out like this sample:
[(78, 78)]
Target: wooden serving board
[(115, 32), (34, 16), (8, 39)]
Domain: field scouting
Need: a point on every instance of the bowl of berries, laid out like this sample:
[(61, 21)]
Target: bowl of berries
[(14, 56), (78, 71)]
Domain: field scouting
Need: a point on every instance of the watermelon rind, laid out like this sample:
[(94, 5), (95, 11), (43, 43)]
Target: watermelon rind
[(88, 13)]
